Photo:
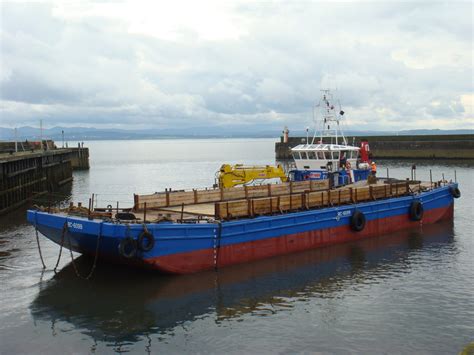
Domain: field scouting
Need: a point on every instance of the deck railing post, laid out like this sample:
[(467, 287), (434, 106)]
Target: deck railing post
[(455, 177), (431, 179), (144, 212)]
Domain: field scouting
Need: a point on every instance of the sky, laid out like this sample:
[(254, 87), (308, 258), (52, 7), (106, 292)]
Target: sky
[(393, 65)]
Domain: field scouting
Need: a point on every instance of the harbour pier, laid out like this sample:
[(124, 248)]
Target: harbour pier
[(453, 146), (37, 169)]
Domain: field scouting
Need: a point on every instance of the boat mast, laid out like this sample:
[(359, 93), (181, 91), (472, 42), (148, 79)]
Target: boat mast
[(330, 119)]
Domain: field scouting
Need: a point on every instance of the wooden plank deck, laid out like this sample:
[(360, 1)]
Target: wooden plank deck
[(260, 200)]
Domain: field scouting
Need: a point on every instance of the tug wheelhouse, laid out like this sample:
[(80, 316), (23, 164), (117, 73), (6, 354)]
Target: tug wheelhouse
[(330, 157)]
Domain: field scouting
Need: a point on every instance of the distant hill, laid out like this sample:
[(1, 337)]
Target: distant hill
[(90, 133)]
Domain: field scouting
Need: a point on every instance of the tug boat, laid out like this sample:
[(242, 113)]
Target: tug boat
[(331, 197), (328, 155)]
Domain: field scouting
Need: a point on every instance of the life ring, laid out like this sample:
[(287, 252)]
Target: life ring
[(145, 241), (357, 221), (128, 247), (416, 211), (455, 191), (109, 207)]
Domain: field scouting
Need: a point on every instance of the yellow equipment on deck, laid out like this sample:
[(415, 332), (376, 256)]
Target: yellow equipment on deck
[(232, 175)]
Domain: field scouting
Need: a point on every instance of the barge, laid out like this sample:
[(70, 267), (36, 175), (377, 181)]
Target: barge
[(331, 196)]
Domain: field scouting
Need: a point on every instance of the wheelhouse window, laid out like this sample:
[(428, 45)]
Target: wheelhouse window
[(321, 155), (312, 155), (327, 155), (335, 155), (303, 155), (296, 155)]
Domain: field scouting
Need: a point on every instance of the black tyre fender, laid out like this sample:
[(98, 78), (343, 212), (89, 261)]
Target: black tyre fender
[(126, 216), (358, 221), (128, 247), (416, 211), (455, 191), (146, 241)]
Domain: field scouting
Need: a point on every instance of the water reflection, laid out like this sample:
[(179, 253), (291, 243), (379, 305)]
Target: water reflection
[(120, 305)]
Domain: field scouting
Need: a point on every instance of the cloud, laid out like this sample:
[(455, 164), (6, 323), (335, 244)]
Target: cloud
[(211, 63)]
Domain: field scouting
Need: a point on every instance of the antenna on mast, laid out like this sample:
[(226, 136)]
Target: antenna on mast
[(16, 141), (330, 119), (41, 133)]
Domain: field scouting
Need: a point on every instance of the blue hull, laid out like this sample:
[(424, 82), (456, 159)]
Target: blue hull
[(183, 248)]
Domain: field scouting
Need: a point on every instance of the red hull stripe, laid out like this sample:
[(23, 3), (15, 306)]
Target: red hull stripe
[(182, 263)]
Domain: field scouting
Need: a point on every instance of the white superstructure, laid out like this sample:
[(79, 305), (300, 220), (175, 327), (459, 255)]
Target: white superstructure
[(328, 149)]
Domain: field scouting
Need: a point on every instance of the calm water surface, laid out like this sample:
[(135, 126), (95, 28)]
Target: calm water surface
[(412, 291)]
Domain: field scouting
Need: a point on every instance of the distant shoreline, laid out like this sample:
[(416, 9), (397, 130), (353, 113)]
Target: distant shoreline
[(94, 134), (274, 135)]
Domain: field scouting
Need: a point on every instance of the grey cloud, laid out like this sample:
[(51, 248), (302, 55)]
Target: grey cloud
[(92, 69), (30, 89)]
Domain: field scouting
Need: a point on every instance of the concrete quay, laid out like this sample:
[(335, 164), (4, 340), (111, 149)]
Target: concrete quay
[(459, 146), (28, 174)]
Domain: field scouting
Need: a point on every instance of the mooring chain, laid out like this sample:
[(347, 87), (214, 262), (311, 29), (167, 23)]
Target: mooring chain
[(60, 247), (96, 256), (217, 244), (39, 247)]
